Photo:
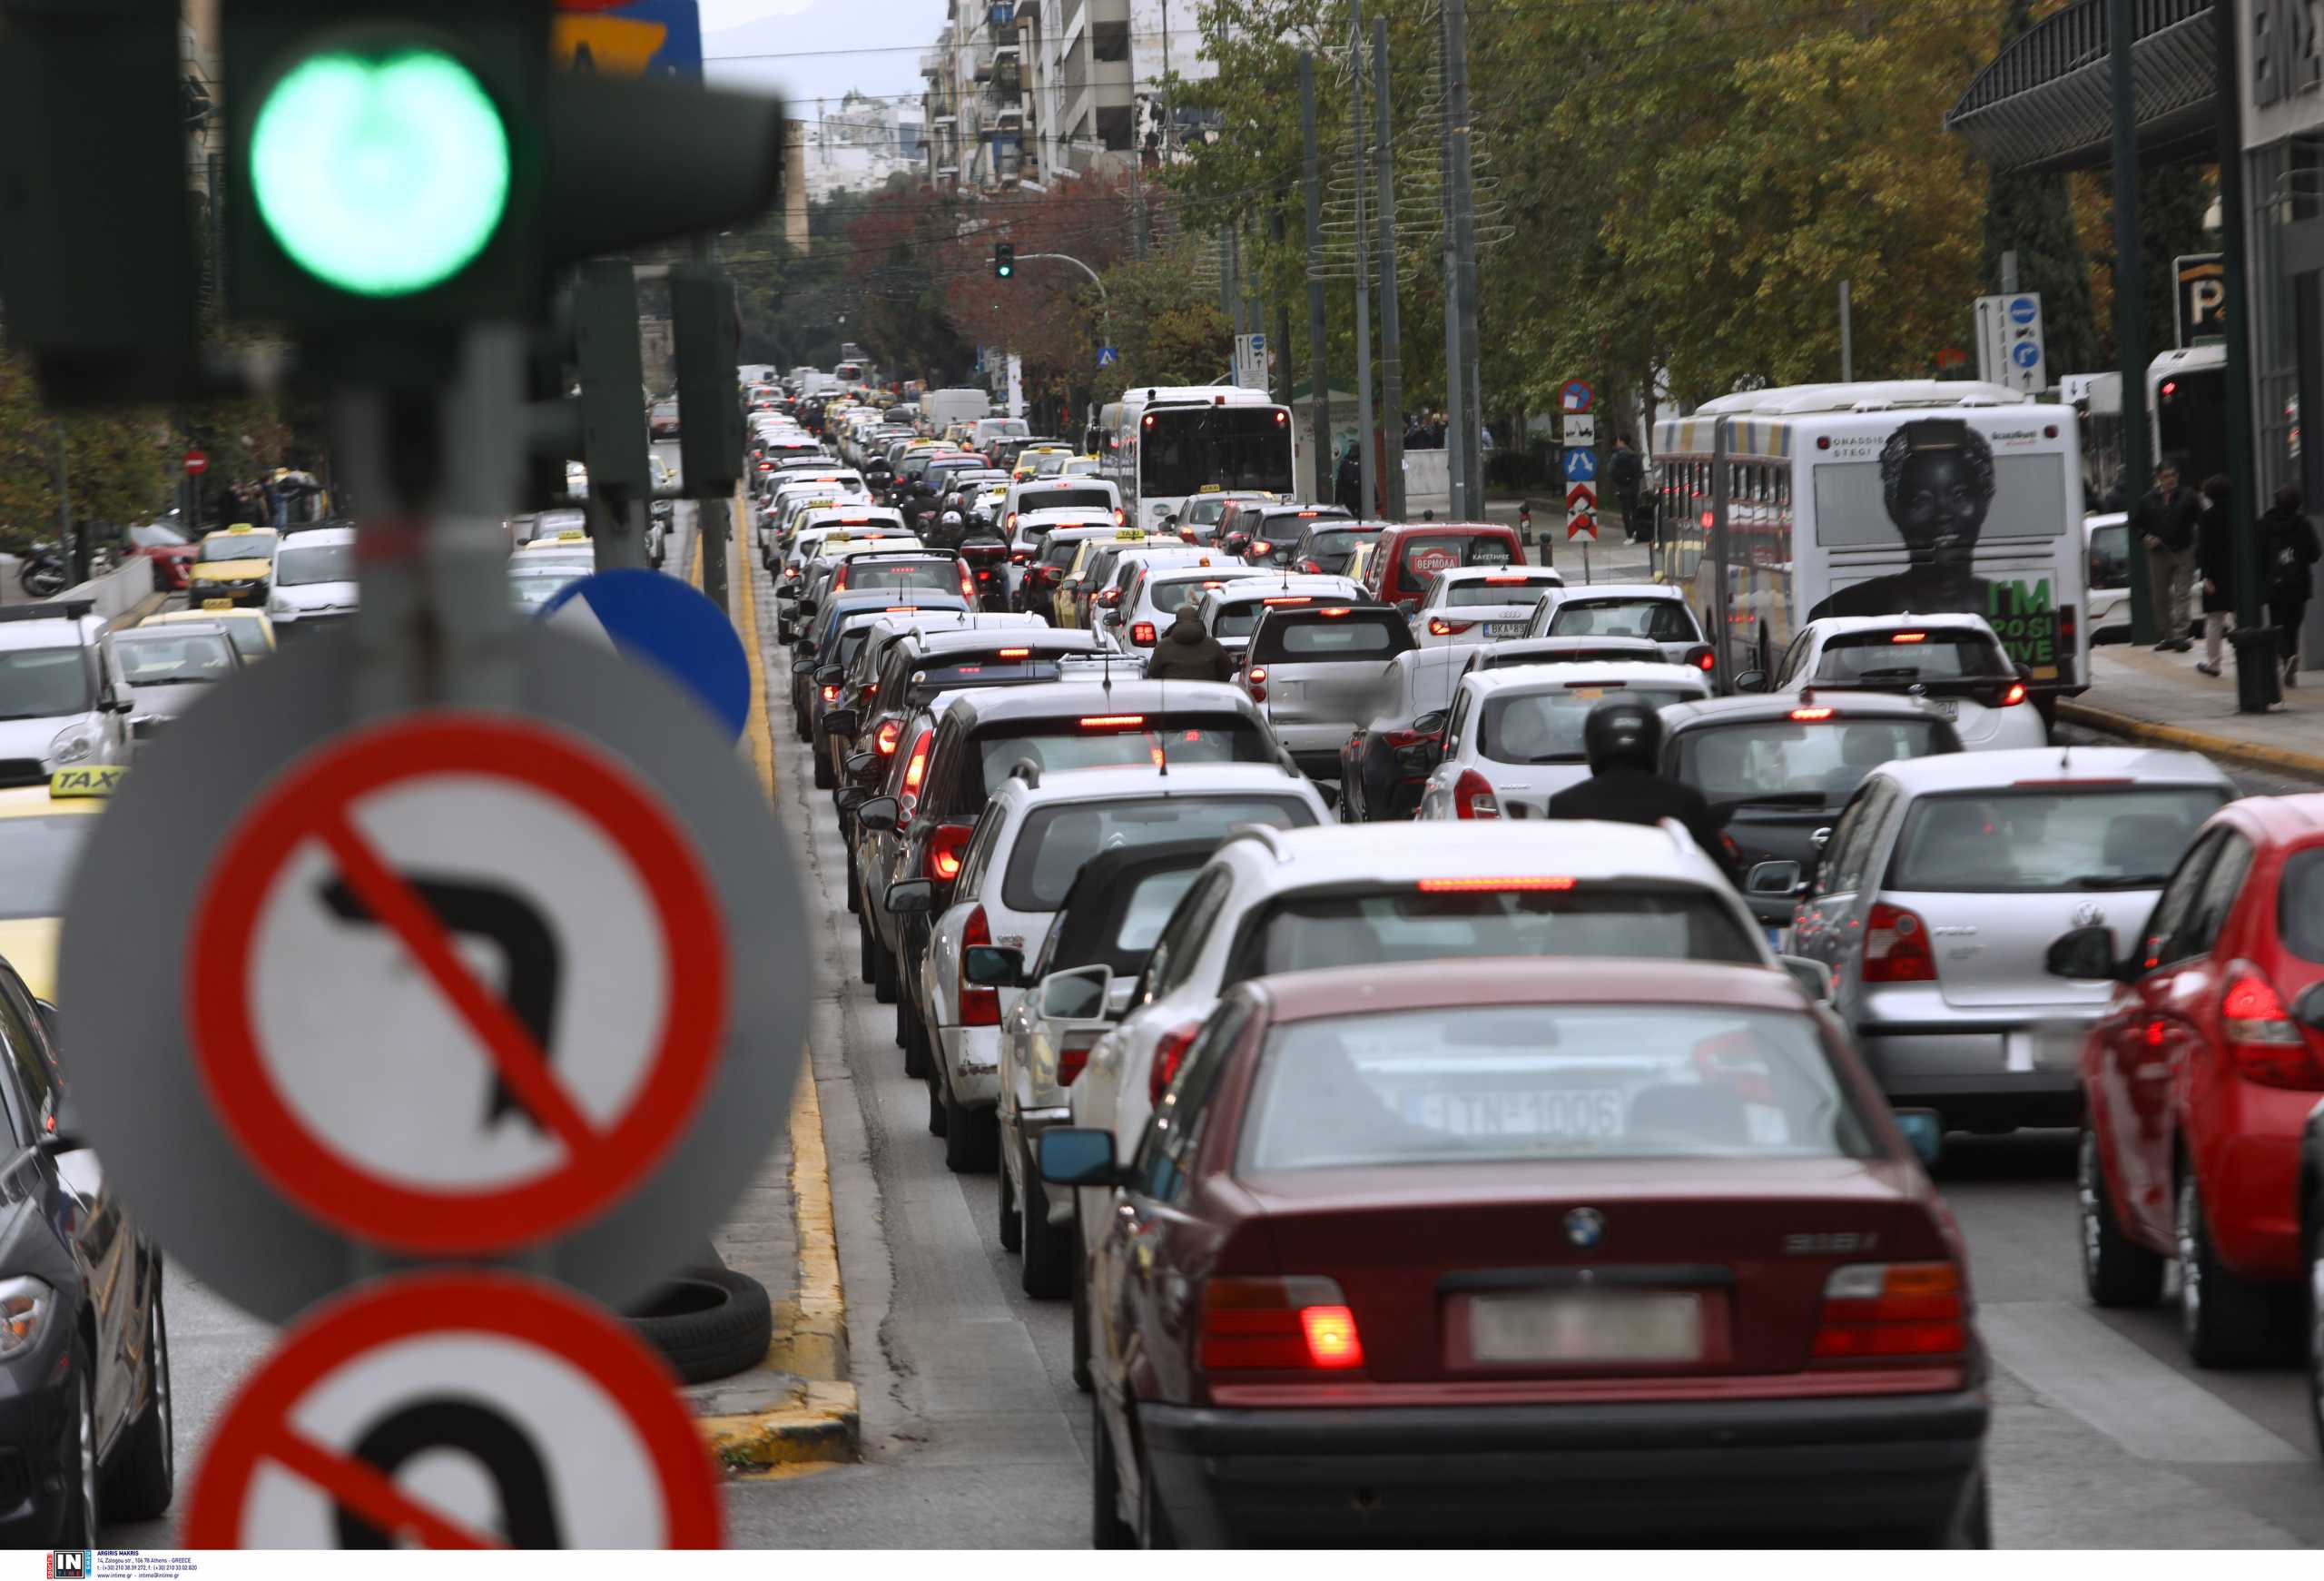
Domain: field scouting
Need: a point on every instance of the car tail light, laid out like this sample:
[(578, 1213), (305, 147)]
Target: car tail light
[(1473, 796), (1168, 1051), (1110, 597), (2013, 694), (1896, 946), (2265, 1042), (1517, 884), (1255, 683), (1276, 1325), (1908, 636), (1907, 1310), (968, 580), (1312, 568), (1016, 652), (979, 1006), (830, 696), (1119, 517), (1505, 581), (790, 573), (1811, 715), (884, 743), (1704, 659), (1399, 739), (1017, 557), (1073, 1054), (944, 848), (1279, 603), (916, 768), (1440, 626), (1113, 721), (1142, 633)]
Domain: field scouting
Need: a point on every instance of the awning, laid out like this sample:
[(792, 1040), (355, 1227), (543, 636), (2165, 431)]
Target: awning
[(2047, 101)]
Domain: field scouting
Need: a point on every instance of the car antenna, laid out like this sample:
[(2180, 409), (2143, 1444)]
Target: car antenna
[(1162, 730)]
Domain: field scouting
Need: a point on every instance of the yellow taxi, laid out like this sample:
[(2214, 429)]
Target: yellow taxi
[(42, 829), (1072, 602), (1080, 467), (234, 565), (1360, 561), (250, 630), (1027, 460), (563, 548)]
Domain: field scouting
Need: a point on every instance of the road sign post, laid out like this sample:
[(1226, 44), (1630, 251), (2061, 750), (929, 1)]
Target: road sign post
[(1581, 435), (2010, 346)]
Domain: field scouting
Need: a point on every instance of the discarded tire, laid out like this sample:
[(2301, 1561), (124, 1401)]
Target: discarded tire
[(708, 1323)]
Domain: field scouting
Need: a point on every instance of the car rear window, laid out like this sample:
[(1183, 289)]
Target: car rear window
[(1424, 557), (936, 576), (2038, 842), (1546, 727), (1169, 596), (1811, 763), (1054, 745), (1340, 542), (1081, 499), (1360, 633), (1498, 590), (1486, 1082), (1877, 659), (1237, 620), (978, 672), (2300, 905), (1656, 619), (1403, 922), (1058, 841)]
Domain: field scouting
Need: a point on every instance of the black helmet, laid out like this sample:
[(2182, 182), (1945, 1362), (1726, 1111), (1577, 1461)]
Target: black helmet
[(1622, 732)]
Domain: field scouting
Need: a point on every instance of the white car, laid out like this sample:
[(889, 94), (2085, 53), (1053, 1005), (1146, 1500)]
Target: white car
[(1955, 663), (2106, 542), (1230, 613), (1654, 610), (1110, 608), (1513, 738), (1467, 604), (314, 580), (1158, 590)]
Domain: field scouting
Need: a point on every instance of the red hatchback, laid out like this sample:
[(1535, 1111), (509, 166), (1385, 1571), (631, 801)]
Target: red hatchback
[(1590, 1251), (2197, 1080)]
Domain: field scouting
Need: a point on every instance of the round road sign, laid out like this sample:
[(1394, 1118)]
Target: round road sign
[(474, 1410), (588, 953), (416, 1103), (196, 463)]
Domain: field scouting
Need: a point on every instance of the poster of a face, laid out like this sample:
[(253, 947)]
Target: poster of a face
[(1936, 489)]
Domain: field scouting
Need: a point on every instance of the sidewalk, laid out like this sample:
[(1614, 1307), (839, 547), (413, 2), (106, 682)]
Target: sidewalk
[(2159, 699)]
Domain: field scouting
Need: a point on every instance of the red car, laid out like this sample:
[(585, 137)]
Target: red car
[(2198, 1078), (1501, 1251), (170, 552), (1407, 558)]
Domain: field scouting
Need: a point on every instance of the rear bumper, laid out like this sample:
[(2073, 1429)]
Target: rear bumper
[(2024, 1072), (971, 1057), (1616, 1474)]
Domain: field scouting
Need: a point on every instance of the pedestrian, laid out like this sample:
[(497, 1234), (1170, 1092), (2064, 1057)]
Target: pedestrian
[(2215, 561), (1348, 487), (1188, 653), (2288, 553), (2165, 523), (1416, 434), (1626, 471)]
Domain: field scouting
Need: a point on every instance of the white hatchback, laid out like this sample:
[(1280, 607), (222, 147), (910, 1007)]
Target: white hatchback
[(1955, 663), (1513, 739)]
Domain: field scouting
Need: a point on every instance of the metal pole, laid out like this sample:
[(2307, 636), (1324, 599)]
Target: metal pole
[(1847, 338), (714, 519), (75, 563), (2009, 272), (1320, 391), (1391, 367), (1456, 385), (1282, 315), (2130, 296), (2258, 678), (1366, 469), (1464, 244), (1234, 277)]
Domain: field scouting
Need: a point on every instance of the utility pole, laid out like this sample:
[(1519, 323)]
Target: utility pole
[(2259, 681), (1470, 460), (1847, 338), (1392, 370), (77, 561), (1320, 391), (1282, 342), (1363, 460), (1456, 421), (2130, 298)]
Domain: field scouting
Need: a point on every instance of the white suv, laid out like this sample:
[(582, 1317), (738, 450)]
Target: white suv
[(314, 580), (1158, 592)]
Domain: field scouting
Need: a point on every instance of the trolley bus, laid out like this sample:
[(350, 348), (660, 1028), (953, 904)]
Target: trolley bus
[(1907, 496), (1169, 444)]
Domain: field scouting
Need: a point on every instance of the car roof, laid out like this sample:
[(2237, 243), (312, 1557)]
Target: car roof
[(1408, 527), (1834, 625), (1588, 590), (1566, 849), (1522, 647), (1335, 992), (1189, 571), (2059, 767), (179, 628), (304, 536), (1745, 709), (1041, 639), (1559, 677), (1094, 697), (51, 631), (1486, 573), (1282, 584), (1095, 785)]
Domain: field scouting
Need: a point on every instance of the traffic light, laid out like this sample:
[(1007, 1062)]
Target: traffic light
[(708, 332), (1004, 259), (613, 441)]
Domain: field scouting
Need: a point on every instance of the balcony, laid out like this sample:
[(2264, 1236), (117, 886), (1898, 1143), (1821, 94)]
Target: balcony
[(931, 63)]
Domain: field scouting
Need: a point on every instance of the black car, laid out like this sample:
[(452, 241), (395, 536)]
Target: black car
[(86, 1421)]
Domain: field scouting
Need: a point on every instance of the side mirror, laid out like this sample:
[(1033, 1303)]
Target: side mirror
[(1078, 1156), (1077, 995), (1751, 681), (1923, 1128), (1773, 879), (912, 898), (991, 966), (840, 723), (1408, 608), (858, 764), (1814, 978), (2085, 954), (852, 798), (880, 813), (831, 675), (803, 664)]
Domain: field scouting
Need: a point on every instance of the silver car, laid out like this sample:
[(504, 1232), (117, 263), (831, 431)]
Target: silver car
[(1315, 670), (1942, 887)]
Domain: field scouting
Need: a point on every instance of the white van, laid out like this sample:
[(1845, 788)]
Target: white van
[(940, 409)]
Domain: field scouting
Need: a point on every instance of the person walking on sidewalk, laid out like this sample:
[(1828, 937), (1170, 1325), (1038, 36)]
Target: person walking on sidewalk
[(1626, 471), (2215, 562), (2165, 522), (2288, 552)]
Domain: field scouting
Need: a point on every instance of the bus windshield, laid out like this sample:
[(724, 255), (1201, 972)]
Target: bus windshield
[(1182, 448)]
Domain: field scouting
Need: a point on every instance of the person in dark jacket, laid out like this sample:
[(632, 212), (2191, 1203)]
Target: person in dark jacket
[(1624, 741), (1626, 470), (2164, 522), (2215, 564), (2288, 556), (1188, 653), (1348, 486)]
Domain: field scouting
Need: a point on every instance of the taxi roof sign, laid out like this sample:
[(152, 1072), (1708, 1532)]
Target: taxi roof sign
[(96, 780)]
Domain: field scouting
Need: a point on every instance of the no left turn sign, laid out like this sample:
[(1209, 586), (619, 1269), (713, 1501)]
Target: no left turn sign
[(473, 1410), (461, 982)]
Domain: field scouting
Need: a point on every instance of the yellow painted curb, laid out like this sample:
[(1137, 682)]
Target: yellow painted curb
[(2202, 741)]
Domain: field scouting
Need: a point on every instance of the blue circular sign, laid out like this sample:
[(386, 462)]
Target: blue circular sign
[(2025, 353), (2022, 309), (659, 620)]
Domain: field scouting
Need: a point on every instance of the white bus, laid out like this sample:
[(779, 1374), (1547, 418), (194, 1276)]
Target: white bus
[(1171, 443), (1912, 496)]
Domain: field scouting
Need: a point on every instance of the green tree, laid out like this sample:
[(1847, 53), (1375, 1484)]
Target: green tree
[(118, 464)]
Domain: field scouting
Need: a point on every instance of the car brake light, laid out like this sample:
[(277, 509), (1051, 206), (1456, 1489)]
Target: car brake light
[(1255, 683), (1396, 740), (1119, 517), (1810, 715), (1112, 721), (1896, 946), (1473, 796), (916, 770), (1016, 652), (831, 695), (1276, 603), (1168, 1051), (1311, 567), (968, 580), (1110, 597), (2014, 694), (2266, 1043), (885, 741), (789, 572), (1903, 1310), (1073, 1055), (1142, 633), (1703, 659), (979, 1006), (1505, 581), (944, 848), (1440, 626), (1510, 885), (1908, 636), (1276, 1325)]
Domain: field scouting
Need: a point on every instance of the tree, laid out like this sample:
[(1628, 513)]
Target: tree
[(2034, 214), (117, 463)]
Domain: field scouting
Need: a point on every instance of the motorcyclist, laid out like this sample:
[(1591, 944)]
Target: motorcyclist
[(1624, 741)]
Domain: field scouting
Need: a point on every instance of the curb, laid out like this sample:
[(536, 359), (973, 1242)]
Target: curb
[(815, 1419), (2146, 730)]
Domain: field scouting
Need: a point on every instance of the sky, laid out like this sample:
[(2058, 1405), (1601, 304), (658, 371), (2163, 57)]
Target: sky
[(882, 40)]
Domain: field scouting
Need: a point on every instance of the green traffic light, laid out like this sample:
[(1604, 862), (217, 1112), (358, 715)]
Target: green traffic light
[(381, 175)]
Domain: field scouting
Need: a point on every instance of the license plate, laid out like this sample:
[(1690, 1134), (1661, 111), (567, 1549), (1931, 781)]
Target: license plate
[(1505, 628), (217, 603), (1566, 1113), (1950, 707), (1586, 1326)]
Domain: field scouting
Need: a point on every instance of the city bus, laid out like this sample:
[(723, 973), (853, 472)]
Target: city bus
[(2186, 403), (1903, 497), (1169, 444)]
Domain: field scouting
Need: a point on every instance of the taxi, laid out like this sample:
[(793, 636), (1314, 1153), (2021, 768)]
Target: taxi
[(234, 565), (41, 830), (567, 548), (250, 630), (1076, 587), (1027, 460)]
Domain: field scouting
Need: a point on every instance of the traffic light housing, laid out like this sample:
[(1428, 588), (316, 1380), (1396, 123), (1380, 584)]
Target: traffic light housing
[(613, 441), (1004, 259), (708, 332)]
